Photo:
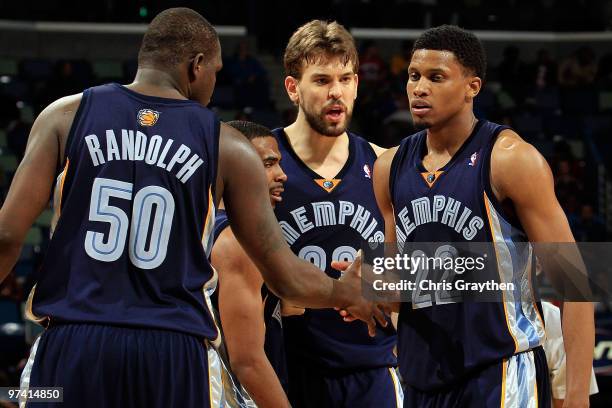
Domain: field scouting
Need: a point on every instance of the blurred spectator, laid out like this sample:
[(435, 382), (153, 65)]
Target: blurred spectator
[(249, 78), (372, 68), (543, 72), (566, 184), (10, 289), (512, 74), (580, 68), (604, 72), (400, 62), (17, 133), (590, 227)]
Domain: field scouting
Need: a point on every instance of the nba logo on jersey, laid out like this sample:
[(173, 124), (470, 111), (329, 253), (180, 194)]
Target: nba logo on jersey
[(473, 159), (367, 171), (147, 117)]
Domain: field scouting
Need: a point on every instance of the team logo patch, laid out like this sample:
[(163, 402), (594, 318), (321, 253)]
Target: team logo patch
[(328, 184), (147, 117), (367, 171), (473, 159)]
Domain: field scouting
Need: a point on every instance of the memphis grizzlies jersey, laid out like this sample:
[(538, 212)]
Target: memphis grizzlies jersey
[(441, 343), (324, 220), (131, 243), (274, 344)]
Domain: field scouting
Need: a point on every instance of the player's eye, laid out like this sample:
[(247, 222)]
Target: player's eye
[(437, 78), (413, 76)]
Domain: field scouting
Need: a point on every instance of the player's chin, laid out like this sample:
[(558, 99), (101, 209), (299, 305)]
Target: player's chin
[(335, 129), (421, 124)]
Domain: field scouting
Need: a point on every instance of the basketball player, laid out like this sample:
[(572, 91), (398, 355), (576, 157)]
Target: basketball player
[(555, 355), (250, 313), (124, 289), (473, 180), (328, 211)]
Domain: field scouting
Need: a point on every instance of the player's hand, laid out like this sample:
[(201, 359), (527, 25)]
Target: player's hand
[(359, 308)]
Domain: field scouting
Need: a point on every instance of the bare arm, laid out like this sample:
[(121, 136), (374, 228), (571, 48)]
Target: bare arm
[(242, 183), (30, 190), (381, 177), (377, 149), (521, 174), (241, 310)]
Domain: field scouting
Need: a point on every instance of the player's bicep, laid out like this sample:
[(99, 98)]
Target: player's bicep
[(380, 178), (30, 190), (240, 304), (522, 175)]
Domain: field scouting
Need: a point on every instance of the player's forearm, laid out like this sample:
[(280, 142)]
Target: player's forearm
[(579, 338), (9, 253), (259, 379)]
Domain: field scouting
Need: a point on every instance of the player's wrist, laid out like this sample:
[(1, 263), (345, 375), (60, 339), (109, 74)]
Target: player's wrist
[(341, 294)]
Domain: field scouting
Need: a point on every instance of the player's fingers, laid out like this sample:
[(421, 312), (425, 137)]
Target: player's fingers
[(349, 319), (380, 316), (371, 327), (344, 313), (340, 265)]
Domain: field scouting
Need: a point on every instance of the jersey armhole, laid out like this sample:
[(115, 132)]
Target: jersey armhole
[(81, 111), (217, 130), (400, 152), (486, 180)]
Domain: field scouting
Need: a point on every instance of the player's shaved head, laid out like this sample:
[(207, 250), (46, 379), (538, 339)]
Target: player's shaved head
[(175, 35), (250, 129)]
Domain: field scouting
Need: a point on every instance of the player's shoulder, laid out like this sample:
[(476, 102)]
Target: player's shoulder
[(360, 140), (512, 157)]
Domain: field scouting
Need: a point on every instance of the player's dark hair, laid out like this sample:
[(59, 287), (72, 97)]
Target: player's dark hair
[(250, 129), (465, 45), (175, 35)]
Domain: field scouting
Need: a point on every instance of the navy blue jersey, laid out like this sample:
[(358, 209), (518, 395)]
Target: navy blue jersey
[(274, 344), (324, 220), (439, 344), (136, 199)]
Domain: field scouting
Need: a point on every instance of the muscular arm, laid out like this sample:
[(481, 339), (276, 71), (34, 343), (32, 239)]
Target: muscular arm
[(519, 173), (378, 150), (242, 184), (241, 310), (381, 177), (30, 190)]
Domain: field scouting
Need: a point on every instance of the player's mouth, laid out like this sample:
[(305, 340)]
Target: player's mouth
[(420, 107), (275, 193), (335, 113)]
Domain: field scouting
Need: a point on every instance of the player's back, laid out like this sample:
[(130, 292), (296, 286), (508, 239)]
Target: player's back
[(131, 243)]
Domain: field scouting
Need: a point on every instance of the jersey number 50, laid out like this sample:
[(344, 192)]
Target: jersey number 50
[(139, 224)]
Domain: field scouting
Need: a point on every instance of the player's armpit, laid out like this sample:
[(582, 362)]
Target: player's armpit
[(30, 190)]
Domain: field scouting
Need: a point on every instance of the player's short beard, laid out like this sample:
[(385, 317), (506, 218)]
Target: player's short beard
[(422, 125), (317, 123)]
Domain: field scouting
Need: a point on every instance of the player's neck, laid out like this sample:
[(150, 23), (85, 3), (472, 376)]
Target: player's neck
[(313, 147), (155, 82), (449, 137)]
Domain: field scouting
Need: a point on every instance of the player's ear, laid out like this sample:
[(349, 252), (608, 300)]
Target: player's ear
[(196, 65), (291, 84), (356, 85), (473, 88)]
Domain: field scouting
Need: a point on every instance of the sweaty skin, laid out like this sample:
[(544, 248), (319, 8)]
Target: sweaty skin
[(247, 203)]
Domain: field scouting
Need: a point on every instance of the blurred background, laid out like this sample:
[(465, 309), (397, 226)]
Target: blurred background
[(549, 77)]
